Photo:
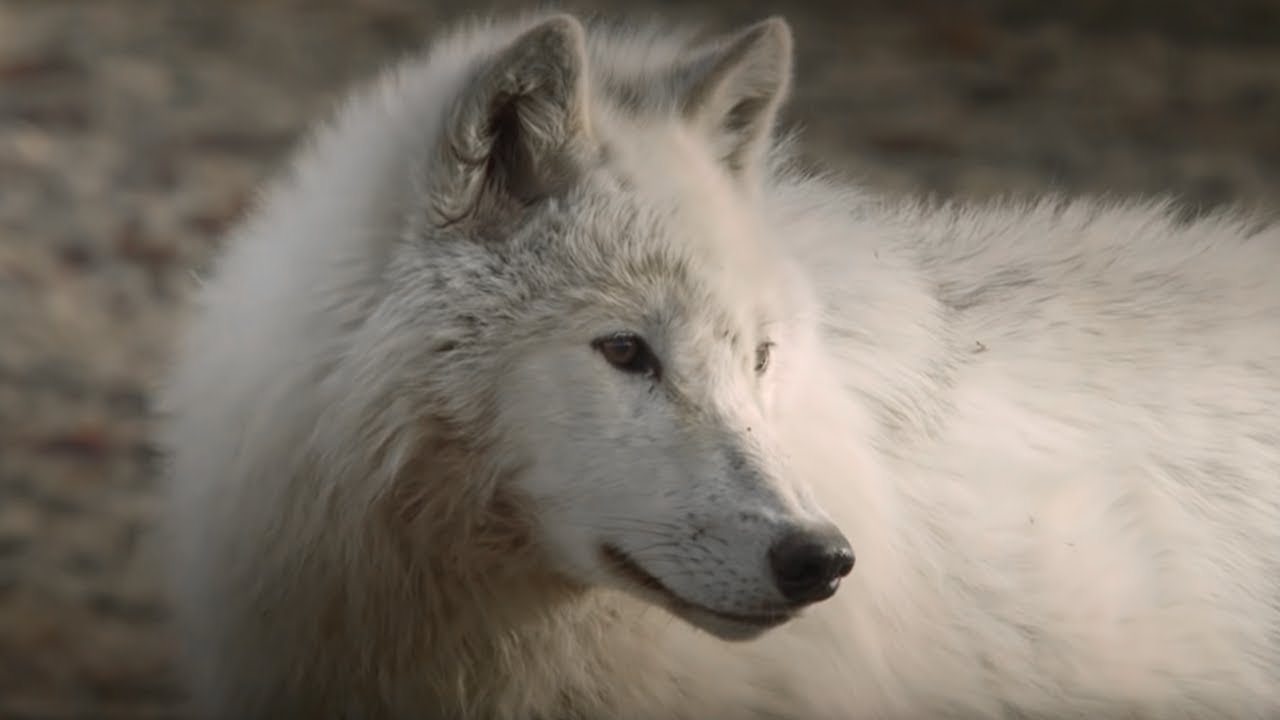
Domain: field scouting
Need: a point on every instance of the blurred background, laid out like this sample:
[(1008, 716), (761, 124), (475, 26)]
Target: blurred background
[(132, 132)]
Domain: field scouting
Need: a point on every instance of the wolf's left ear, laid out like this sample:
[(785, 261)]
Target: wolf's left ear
[(733, 91), (521, 129)]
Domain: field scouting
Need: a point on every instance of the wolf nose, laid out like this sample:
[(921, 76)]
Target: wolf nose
[(807, 564)]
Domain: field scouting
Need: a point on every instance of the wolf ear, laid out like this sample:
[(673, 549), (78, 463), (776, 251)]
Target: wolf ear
[(520, 131), (734, 89)]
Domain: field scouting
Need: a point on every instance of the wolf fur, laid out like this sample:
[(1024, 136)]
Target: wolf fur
[(1049, 430)]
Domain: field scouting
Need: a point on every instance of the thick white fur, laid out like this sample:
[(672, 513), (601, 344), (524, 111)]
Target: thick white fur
[(1049, 431)]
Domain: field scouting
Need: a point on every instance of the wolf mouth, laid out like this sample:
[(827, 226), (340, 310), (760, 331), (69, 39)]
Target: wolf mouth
[(625, 566)]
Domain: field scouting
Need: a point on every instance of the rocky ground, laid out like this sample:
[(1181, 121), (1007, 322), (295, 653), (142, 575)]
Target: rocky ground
[(132, 132)]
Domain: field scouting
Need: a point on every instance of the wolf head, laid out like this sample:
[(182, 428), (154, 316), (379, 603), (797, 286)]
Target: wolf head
[(591, 286)]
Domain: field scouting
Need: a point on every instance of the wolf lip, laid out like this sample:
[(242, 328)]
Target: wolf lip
[(625, 566)]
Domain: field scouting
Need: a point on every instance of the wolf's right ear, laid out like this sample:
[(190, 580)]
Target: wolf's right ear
[(520, 131)]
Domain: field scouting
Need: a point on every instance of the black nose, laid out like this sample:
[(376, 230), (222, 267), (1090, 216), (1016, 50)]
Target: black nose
[(808, 564)]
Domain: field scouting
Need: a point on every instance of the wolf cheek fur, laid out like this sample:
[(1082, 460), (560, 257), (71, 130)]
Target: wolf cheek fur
[(419, 471)]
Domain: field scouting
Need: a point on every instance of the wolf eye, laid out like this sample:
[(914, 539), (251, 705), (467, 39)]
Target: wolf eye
[(629, 353), (762, 356)]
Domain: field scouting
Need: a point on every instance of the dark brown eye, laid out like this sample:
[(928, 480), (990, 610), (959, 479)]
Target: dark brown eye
[(762, 356), (629, 353)]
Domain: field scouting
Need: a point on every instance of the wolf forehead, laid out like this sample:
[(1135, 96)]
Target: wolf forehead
[(584, 255)]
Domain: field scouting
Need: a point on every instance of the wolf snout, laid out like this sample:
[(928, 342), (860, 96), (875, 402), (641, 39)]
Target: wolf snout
[(807, 564)]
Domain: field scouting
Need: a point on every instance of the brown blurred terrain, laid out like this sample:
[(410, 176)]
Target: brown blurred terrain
[(132, 132)]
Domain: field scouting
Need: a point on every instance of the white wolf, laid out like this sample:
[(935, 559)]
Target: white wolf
[(543, 387)]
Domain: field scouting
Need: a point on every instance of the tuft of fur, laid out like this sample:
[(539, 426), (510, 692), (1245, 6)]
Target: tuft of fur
[(1049, 429)]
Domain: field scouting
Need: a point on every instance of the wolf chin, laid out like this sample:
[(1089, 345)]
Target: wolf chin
[(545, 385)]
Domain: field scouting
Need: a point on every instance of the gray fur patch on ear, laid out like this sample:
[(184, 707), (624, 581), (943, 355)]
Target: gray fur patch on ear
[(521, 129), (735, 89)]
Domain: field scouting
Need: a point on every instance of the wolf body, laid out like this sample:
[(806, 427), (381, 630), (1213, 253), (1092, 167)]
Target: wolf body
[(511, 399)]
